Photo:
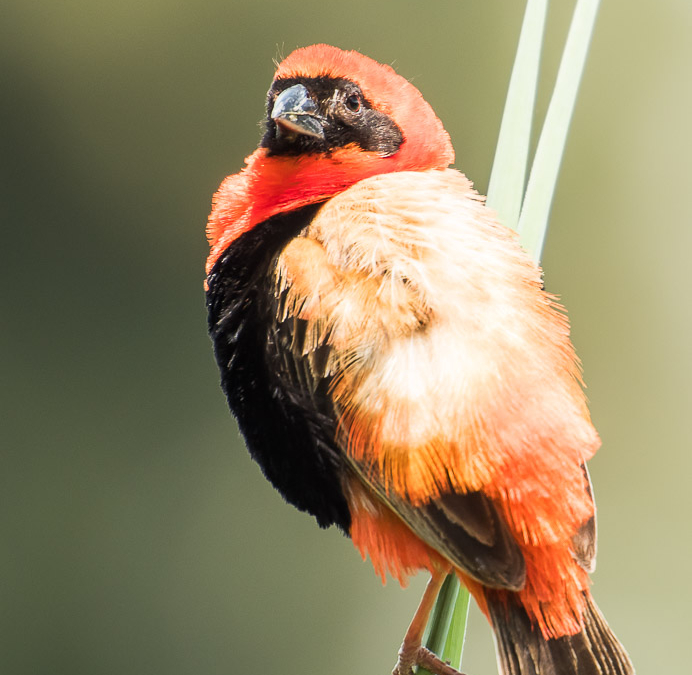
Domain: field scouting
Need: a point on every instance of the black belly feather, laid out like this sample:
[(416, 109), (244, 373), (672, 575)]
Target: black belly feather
[(292, 443)]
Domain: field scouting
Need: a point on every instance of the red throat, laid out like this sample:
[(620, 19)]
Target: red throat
[(277, 184)]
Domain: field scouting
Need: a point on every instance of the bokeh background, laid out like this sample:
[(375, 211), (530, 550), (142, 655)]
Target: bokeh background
[(137, 537)]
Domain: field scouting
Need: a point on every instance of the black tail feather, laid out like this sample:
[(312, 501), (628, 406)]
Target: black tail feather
[(522, 650)]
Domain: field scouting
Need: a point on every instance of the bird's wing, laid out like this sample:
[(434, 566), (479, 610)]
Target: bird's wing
[(308, 353), (468, 530), (416, 323)]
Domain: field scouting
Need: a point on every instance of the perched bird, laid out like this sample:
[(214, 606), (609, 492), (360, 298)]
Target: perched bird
[(397, 369)]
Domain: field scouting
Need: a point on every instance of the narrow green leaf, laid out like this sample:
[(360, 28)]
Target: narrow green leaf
[(456, 635), (533, 221), (442, 614), (440, 621), (508, 177)]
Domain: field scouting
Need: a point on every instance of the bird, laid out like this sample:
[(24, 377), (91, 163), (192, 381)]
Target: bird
[(396, 367)]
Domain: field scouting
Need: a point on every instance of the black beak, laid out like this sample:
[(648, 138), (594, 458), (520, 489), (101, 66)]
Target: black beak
[(296, 113)]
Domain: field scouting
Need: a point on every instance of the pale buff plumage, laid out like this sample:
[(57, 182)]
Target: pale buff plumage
[(452, 369)]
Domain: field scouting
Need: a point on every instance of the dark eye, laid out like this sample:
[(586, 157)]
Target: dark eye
[(353, 102)]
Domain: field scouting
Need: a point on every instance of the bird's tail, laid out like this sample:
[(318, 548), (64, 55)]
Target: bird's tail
[(522, 649)]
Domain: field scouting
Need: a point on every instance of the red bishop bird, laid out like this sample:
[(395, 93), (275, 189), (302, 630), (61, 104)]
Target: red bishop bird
[(397, 369)]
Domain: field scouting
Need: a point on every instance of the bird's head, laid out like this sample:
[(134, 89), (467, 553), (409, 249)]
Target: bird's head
[(325, 101), (334, 117)]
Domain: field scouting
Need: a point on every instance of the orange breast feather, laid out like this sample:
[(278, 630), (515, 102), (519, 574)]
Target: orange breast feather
[(452, 371)]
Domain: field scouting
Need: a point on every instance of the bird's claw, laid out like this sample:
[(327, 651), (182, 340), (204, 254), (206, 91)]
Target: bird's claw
[(426, 659)]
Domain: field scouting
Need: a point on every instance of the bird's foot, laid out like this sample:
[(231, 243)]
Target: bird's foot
[(423, 657)]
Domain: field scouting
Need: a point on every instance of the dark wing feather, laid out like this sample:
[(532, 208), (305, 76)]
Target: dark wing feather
[(584, 541), (469, 531), (479, 537)]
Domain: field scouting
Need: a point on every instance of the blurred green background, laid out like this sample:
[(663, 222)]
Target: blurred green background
[(137, 537)]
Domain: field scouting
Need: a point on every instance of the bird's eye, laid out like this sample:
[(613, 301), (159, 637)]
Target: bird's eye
[(353, 102)]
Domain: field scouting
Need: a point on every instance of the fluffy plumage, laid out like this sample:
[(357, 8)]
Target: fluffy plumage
[(397, 368)]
